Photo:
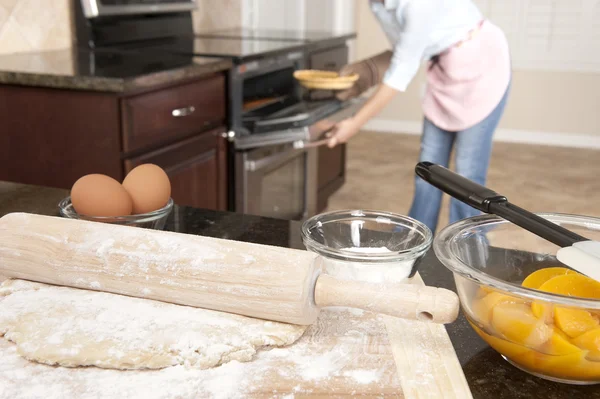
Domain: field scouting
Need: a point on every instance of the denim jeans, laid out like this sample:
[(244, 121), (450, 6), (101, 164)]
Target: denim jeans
[(473, 148)]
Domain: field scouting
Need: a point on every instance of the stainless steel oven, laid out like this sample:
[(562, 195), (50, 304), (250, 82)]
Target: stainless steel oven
[(277, 128), (277, 181), (276, 172)]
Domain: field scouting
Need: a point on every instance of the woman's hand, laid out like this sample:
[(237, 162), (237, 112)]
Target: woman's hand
[(343, 131), (347, 128)]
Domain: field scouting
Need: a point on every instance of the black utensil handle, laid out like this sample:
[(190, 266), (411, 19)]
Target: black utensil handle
[(539, 226), (489, 201), (457, 186)]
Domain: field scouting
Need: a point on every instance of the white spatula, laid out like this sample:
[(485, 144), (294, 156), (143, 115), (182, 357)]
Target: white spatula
[(577, 252)]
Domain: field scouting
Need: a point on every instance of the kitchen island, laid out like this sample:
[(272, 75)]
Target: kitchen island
[(488, 375)]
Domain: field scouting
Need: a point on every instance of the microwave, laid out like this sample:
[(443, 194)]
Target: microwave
[(100, 8)]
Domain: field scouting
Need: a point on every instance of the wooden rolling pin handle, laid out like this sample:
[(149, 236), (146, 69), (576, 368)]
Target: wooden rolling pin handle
[(405, 301)]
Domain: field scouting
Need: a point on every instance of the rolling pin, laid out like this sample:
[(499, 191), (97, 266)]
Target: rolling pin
[(253, 280)]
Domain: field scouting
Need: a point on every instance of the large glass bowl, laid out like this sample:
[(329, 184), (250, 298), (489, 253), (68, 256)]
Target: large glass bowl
[(548, 335), (152, 220), (368, 246)]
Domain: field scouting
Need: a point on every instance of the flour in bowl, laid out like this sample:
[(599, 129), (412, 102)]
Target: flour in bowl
[(372, 272)]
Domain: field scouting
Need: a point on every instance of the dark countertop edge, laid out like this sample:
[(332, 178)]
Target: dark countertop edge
[(308, 42), (114, 85), (237, 60)]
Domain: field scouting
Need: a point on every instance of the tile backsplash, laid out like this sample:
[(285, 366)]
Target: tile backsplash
[(217, 14), (33, 25)]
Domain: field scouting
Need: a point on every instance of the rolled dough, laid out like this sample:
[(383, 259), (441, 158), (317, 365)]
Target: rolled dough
[(71, 327)]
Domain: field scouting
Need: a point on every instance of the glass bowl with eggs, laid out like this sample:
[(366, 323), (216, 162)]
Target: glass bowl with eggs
[(539, 315), (142, 200)]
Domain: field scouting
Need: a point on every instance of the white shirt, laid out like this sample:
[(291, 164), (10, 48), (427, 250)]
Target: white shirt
[(421, 29)]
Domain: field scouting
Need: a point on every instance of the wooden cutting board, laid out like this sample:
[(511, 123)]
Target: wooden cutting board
[(346, 353)]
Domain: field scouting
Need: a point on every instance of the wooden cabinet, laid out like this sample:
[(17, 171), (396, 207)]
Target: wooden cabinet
[(332, 173), (51, 137), (196, 168), (172, 113)]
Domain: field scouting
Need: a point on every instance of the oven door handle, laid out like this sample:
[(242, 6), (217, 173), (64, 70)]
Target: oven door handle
[(274, 160), (323, 129), (300, 145)]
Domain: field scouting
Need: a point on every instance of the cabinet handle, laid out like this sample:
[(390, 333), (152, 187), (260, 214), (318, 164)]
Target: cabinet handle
[(185, 111), (230, 135)]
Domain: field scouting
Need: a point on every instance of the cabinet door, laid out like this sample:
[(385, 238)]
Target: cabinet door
[(53, 137), (196, 168), (169, 114), (332, 173)]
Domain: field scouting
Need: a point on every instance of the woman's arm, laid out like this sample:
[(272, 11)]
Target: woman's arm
[(370, 73), (347, 128)]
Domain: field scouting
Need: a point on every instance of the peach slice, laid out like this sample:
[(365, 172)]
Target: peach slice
[(539, 277), (516, 322), (483, 308), (502, 346), (573, 284), (559, 345), (572, 322), (565, 366), (590, 341)]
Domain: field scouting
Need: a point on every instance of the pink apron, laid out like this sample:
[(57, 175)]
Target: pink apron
[(466, 82)]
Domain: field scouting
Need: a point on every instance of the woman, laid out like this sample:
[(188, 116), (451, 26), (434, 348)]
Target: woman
[(468, 80)]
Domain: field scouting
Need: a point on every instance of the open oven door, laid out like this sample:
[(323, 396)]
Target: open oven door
[(276, 164), (305, 123)]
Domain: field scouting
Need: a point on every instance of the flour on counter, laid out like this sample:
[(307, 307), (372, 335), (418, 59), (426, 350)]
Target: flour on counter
[(306, 367), (71, 327), (364, 376)]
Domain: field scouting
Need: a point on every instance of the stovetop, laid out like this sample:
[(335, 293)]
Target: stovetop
[(235, 49), (302, 36), (239, 44), (238, 50)]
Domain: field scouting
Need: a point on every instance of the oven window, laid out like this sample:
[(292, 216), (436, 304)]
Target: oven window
[(268, 89), (282, 193)]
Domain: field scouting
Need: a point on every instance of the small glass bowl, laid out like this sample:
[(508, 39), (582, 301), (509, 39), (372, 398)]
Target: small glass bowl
[(367, 246), (152, 220), (547, 335)]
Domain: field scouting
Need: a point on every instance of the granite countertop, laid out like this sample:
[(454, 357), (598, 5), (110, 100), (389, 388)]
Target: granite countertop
[(489, 376), (103, 70)]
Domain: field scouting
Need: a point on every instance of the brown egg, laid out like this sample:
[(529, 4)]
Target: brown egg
[(100, 195), (149, 188)]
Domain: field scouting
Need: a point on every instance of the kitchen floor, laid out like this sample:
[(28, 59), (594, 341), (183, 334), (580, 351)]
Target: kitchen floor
[(538, 178)]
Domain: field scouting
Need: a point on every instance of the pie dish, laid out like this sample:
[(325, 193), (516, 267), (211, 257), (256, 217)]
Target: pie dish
[(324, 80)]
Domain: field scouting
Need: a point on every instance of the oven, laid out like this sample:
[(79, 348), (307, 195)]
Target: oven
[(280, 180), (276, 181), (277, 127)]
